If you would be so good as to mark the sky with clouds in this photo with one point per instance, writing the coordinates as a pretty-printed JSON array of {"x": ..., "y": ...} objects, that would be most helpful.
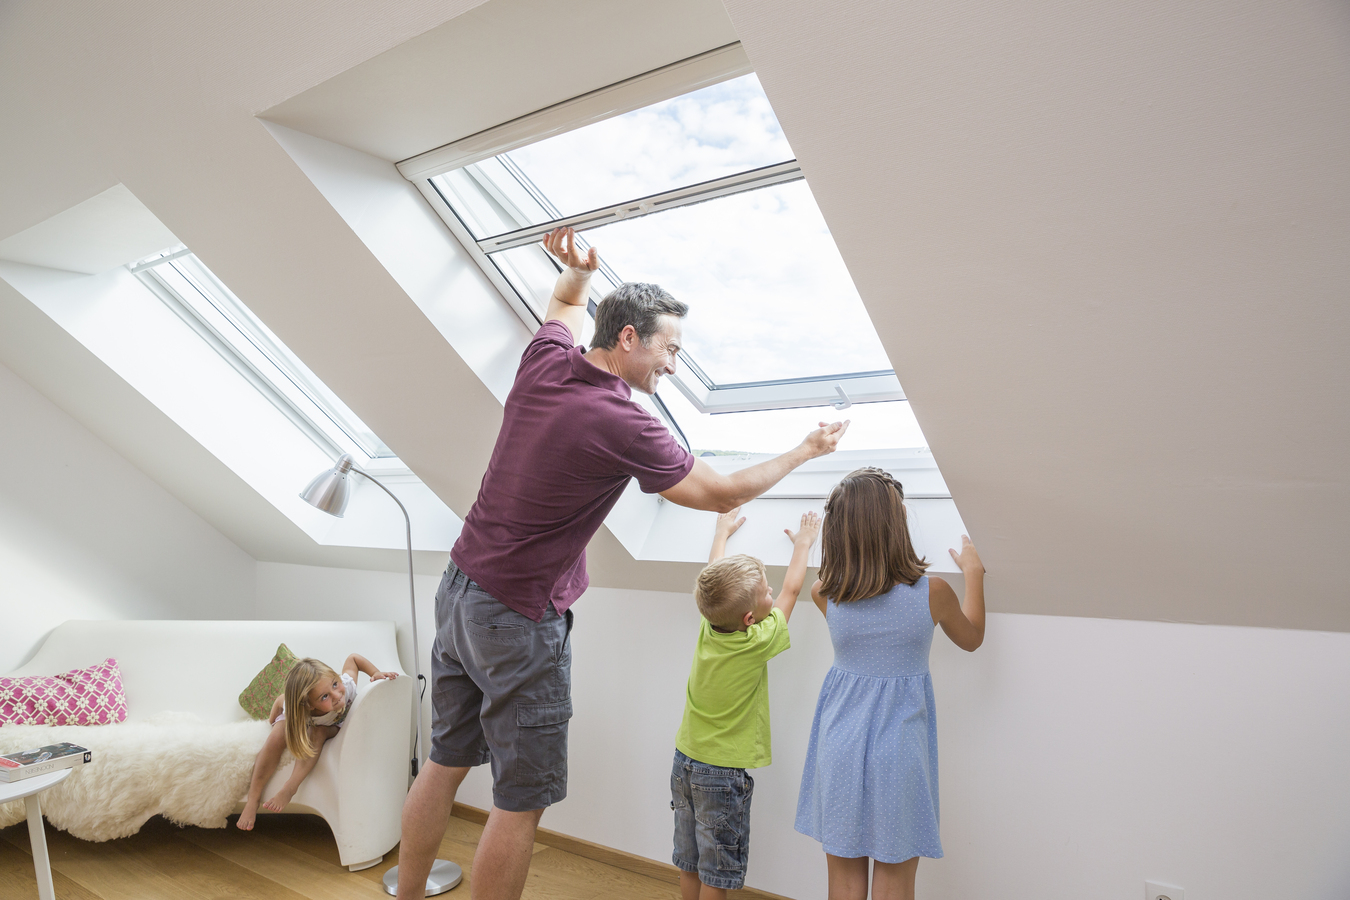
[{"x": 769, "y": 294}]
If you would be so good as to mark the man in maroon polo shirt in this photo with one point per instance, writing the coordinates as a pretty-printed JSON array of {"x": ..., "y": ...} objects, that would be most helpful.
[{"x": 571, "y": 438}]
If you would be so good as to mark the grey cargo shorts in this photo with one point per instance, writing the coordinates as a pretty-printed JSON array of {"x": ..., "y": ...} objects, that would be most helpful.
[{"x": 501, "y": 692}]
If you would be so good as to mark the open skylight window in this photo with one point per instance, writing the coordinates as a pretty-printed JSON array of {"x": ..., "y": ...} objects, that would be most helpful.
[
  {"x": 701, "y": 194},
  {"x": 188, "y": 288}
]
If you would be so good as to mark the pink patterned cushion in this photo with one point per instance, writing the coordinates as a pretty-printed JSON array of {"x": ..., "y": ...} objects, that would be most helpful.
[{"x": 91, "y": 696}]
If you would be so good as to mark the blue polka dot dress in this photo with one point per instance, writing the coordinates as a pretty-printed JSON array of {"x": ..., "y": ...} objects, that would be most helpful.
[{"x": 871, "y": 782}]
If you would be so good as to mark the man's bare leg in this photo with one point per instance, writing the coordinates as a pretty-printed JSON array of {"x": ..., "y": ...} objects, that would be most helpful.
[
  {"x": 426, "y": 812},
  {"x": 502, "y": 860}
]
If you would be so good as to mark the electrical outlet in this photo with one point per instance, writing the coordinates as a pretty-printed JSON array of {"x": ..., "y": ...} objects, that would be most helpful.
[{"x": 1154, "y": 890}]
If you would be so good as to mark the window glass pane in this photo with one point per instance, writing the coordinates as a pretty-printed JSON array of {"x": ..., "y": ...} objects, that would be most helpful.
[
  {"x": 493, "y": 196},
  {"x": 873, "y": 426},
  {"x": 531, "y": 271},
  {"x": 769, "y": 296},
  {"x": 711, "y": 133},
  {"x": 254, "y": 343}
]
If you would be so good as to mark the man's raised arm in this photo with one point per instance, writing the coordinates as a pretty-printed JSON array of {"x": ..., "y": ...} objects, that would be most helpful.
[
  {"x": 704, "y": 488},
  {"x": 568, "y": 303}
]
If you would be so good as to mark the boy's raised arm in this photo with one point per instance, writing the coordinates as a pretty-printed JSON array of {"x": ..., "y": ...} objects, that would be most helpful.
[
  {"x": 727, "y": 524},
  {"x": 796, "y": 574}
]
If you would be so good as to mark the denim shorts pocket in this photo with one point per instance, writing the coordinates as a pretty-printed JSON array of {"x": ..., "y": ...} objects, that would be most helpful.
[
  {"x": 732, "y": 834},
  {"x": 497, "y": 632},
  {"x": 712, "y": 797},
  {"x": 541, "y": 742}
]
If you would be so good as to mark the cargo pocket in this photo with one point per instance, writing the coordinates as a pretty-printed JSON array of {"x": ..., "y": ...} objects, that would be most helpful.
[{"x": 541, "y": 742}]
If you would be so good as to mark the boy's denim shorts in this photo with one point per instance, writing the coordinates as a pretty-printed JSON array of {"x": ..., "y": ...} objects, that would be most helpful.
[{"x": 712, "y": 821}]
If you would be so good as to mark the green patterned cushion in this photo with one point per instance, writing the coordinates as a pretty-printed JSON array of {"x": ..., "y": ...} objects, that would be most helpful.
[{"x": 270, "y": 683}]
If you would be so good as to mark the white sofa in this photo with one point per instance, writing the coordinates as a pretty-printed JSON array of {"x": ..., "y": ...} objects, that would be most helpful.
[{"x": 200, "y": 667}]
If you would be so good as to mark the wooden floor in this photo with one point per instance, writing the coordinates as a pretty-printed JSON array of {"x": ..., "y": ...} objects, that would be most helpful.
[{"x": 285, "y": 858}]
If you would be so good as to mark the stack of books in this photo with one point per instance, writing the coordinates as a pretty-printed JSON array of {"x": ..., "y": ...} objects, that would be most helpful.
[{"x": 27, "y": 763}]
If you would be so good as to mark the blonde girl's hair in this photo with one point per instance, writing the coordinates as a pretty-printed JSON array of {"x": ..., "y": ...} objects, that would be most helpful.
[
  {"x": 865, "y": 548},
  {"x": 305, "y": 676},
  {"x": 726, "y": 589}
]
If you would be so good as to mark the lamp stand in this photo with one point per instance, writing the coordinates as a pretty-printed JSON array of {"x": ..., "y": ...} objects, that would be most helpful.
[{"x": 444, "y": 873}]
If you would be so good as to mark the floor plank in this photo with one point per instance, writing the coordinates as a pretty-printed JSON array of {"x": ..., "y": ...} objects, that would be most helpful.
[
  {"x": 557, "y": 873},
  {"x": 288, "y": 857},
  {"x": 277, "y": 862},
  {"x": 18, "y": 880},
  {"x": 155, "y": 865}
]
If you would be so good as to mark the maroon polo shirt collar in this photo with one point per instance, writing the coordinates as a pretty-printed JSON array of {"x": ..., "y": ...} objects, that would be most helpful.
[{"x": 591, "y": 373}]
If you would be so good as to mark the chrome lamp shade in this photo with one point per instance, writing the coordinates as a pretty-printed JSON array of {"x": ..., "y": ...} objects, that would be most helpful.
[{"x": 330, "y": 490}]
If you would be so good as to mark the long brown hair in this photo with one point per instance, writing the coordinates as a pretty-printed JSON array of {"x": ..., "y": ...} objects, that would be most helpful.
[
  {"x": 305, "y": 676},
  {"x": 865, "y": 548}
]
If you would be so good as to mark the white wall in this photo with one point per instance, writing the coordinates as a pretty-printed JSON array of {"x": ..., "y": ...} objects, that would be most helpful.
[
  {"x": 1078, "y": 756},
  {"x": 287, "y": 591},
  {"x": 86, "y": 535}
]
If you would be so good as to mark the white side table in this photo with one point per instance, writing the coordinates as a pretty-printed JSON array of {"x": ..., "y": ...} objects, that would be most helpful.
[{"x": 27, "y": 791}]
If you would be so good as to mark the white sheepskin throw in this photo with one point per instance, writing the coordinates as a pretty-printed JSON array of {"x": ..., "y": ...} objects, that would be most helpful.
[{"x": 173, "y": 765}]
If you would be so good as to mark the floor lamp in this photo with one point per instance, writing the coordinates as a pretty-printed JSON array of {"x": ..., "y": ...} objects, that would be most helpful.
[{"x": 329, "y": 492}]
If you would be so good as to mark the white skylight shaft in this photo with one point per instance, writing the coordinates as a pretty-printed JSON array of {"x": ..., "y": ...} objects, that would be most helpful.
[{"x": 187, "y": 287}]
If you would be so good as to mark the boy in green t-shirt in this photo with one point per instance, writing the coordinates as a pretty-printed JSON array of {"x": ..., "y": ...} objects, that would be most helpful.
[{"x": 726, "y": 709}]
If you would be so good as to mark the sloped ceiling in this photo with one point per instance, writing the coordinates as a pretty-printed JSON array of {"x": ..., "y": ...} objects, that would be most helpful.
[{"x": 1106, "y": 249}]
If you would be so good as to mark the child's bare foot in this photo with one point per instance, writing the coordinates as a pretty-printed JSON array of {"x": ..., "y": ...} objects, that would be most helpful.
[
  {"x": 279, "y": 800},
  {"x": 249, "y": 816}
]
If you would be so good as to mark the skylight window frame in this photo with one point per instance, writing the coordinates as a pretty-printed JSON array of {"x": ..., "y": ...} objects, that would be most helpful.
[
  {"x": 336, "y": 438},
  {"x": 707, "y": 396}
]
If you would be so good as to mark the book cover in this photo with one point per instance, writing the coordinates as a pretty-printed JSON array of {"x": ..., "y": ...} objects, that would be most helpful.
[{"x": 27, "y": 763}]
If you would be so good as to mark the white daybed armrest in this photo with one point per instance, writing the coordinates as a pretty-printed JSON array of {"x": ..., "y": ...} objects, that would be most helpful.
[{"x": 373, "y": 771}]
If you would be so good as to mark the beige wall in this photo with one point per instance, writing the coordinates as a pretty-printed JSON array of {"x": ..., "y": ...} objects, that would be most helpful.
[
  {"x": 86, "y": 535},
  {"x": 1077, "y": 756}
]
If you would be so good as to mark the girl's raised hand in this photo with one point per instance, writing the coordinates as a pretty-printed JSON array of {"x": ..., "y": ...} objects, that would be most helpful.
[
  {"x": 379, "y": 676},
  {"x": 728, "y": 523},
  {"x": 968, "y": 561},
  {"x": 808, "y": 532}
]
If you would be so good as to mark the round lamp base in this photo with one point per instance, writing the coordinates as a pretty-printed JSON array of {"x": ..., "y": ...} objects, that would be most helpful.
[{"x": 444, "y": 875}]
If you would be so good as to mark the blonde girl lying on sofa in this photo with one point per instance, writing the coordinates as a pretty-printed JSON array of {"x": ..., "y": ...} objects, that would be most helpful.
[{"x": 303, "y": 719}]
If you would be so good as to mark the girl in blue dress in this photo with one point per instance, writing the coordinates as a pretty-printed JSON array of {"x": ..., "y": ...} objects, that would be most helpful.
[{"x": 870, "y": 789}]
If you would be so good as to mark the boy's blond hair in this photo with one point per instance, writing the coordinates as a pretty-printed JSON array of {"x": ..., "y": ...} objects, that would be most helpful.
[{"x": 727, "y": 589}]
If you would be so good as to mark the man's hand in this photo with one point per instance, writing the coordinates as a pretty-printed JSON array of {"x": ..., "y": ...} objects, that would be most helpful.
[
  {"x": 825, "y": 439},
  {"x": 562, "y": 243},
  {"x": 808, "y": 532},
  {"x": 568, "y": 303},
  {"x": 728, "y": 524}
]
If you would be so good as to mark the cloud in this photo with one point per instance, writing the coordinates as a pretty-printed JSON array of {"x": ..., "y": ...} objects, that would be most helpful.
[
  {"x": 707, "y": 134},
  {"x": 769, "y": 295}
]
